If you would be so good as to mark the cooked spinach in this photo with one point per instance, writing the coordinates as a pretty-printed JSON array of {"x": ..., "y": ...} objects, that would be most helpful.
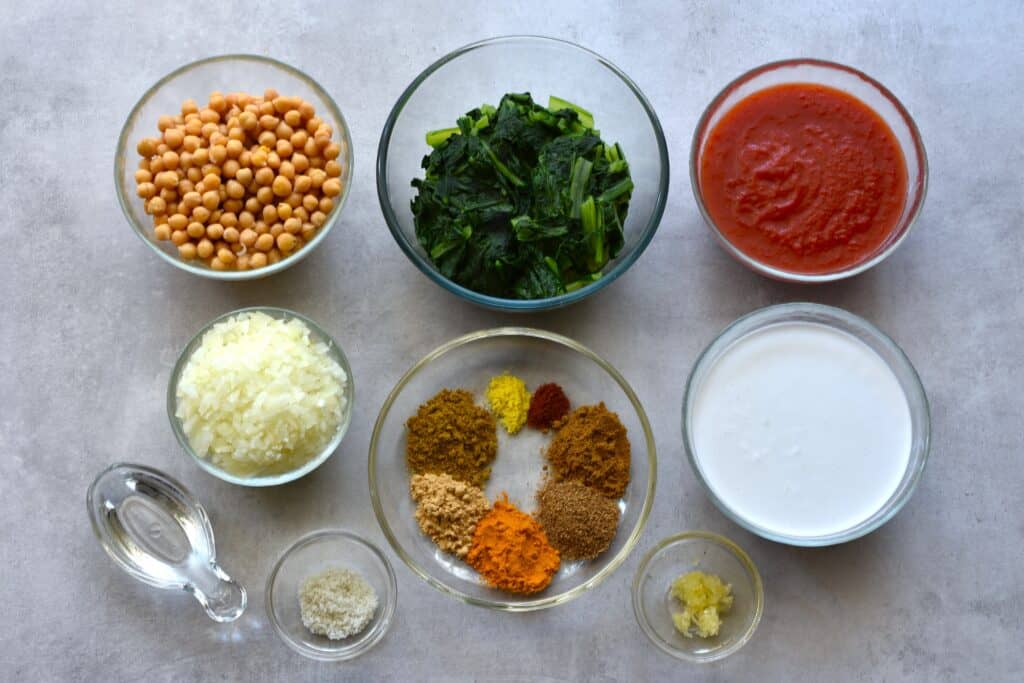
[{"x": 522, "y": 201}]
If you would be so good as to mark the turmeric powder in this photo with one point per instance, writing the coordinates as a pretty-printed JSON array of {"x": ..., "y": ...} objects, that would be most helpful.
[
  {"x": 511, "y": 551},
  {"x": 509, "y": 400}
]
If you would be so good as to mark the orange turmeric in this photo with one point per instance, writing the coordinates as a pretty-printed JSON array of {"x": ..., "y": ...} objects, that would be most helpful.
[{"x": 511, "y": 551}]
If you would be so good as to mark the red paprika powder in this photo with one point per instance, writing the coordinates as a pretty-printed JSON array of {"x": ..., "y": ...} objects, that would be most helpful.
[{"x": 548, "y": 405}]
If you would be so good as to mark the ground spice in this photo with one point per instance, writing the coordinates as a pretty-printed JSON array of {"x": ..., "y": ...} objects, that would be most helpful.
[
  {"x": 451, "y": 434},
  {"x": 511, "y": 551},
  {"x": 509, "y": 400},
  {"x": 591, "y": 447},
  {"x": 549, "y": 404},
  {"x": 448, "y": 510},
  {"x": 578, "y": 520}
]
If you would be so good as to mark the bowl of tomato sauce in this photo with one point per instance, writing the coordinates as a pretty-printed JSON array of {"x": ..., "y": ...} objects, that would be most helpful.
[{"x": 808, "y": 171}]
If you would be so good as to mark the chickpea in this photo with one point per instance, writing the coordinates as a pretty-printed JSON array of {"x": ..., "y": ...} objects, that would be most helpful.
[
  {"x": 332, "y": 150},
  {"x": 253, "y": 205},
  {"x": 162, "y": 232},
  {"x": 231, "y": 235},
  {"x": 244, "y": 176},
  {"x": 204, "y": 249},
  {"x": 194, "y": 127},
  {"x": 286, "y": 242},
  {"x": 268, "y": 122},
  {"x": 174, "y": 137},
  {"x": 299, "y": 139},
  {"x": 211, "y": 199},
  {"x": 161, "y": 148},
  {"x": 302, "y": 184},
  {"x": 300, "y": 162},
  {"x": 267, "y": 139},
  {"x": 189, "y": 106},
  {"x": 317, "y": 218},
  {"x": 235, "y": 189},
  {"x": 166, "y": 179},
  {"x": 226, "y": 255},
  {"x": 215, "y": 216},
  {"x": 228, "y": 219},
  {"x": 287, "y": 170},
  {"x": 201, "y": 214},
  {"x": 333, "y": 169},
  {"x": 308, "y": 231},
  {"x": 165, "y": 122},
  {"x": 234, "y": 148},
  {"x": 177, "y": 221},
  {"x": 218, "y": 103},
  {"x": 273, "y": 256},
  {"x": 307, "y": 111},
  {"x": 294, "y": 200},
  {"x": 178, "y": 238},
  {"x": 270, "y": 213},
  {"x": 248, "y": 120},
  {"x": 318, "y": 176},
  {"x": 270, "y": 95},
  {"x": 332, "y": 187},
  {"x": 265, "y": 195},
  {"x": 230, "y": 167},
  {"x": 257, "y": 260},
  {"x": 245, "y": 159},
  {"x": 261, "y": 227},
  {"x": 310, "y": 202},
  {"x": 301, "y": 213},
  {"x": 313, "y": 124},
  {"x": 156, "y": 206},
  {"x": 276, "y": 229},
  {"x": 283, "y": 130},
  {"x": 293, "y": 226},
  {"x": 293, "y": 118},
  {"x": 143, "y": 176},
  {"x": 242, "y": 262},
  {"x": 146, "y": 190},
  {"x": 209, "y": 116},
  {"x": 217, "y": 264},
  {"x": 317, "y": 161},
  {"x": 156, "y": 165},
  {"x": 185, "y": 158},
  {"x": 215, "y": 231},
  {"x": 196, "y": 230},
  {"x": 274, "y": 160},
  {"x": 218, "y": 153},
  {"x": 282, "y": 186},
  {"x": 248, "y": 237},
  {"x": 259, "y": 158},
  {"x": 283, "y": 147},
  {"x": 194, "y": 174},
  {"x": 326, "y": 204},
  {"x": 284, "y": 211},
  {"x": 310, "y": 149},
  {"x": 218, "y": 138},
  {"x": 265, "y": 242},
  {"x": 147, "y": 147},
  {"x": 201, "y": 156},
  {"x": 246, "y": 220},
  {"x": 264, "y": 176},
  {"x": 187, "y": 251}
]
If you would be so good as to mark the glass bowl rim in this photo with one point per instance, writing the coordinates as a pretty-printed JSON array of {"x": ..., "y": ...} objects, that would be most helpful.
[
  {"x": 780, "y": 313},
  {"x": 121, "y": 154},
  {"x": 389, "y": 599},
  {"x": 313, "y": 463},
  {"x": 622, "y": 263},
  {"x": 612, "y": 563},
  {"x": 917, "y": 198},
  {"x": 738, "y": 553}
]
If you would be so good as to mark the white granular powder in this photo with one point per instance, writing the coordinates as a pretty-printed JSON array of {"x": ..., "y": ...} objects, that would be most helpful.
[{"x": 337, "y": 603}]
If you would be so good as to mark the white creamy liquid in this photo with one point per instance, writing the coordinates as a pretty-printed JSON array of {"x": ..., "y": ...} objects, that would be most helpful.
[{"x": 801, "y": 429}]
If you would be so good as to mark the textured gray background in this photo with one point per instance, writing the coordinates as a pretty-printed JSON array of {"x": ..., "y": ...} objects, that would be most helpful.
[{"x": 92, "y": 323}]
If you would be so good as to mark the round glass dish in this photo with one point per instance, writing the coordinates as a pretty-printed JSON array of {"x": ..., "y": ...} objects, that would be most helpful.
[
  {"x": 314, "y": 553},
  {"x": 470, "y": 362},
  {"x": 876, "y": 340},
  {"x": 483, "y": 72},
  {"x": 860, "y": 85},
  {"x": 707, "y": 552},
  {"x": 227, "y": 73},
  {"x": 269, "y": 480}
]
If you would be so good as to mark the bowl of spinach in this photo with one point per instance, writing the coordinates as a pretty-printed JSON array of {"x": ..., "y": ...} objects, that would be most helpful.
[{"x": 523, "y": 204}]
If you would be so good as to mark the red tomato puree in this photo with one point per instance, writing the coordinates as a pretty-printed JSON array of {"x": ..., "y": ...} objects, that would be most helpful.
[{"x": 804, "y": 178}]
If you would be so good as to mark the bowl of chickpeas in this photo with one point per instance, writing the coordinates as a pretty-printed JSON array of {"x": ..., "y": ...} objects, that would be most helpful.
[{"x": 234, "y": 167}]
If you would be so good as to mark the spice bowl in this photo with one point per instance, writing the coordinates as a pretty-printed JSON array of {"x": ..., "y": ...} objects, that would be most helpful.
[
  {"x": 270, "y": 477},
  {"x": 314, "y": 553},
  {"x": 469, "y": 362},
  {"x": 707, "y": 552},
  {"x": 226, "y": 73}
]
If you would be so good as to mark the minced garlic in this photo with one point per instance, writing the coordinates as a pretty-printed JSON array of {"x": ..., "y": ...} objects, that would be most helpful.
[{"x": 704, "y": 597}]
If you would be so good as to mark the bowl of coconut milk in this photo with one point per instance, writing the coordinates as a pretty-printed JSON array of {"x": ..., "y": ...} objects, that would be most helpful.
[{"x": 806, "y": 424}]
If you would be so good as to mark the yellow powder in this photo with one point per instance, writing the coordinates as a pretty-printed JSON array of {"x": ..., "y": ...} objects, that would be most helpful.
[
  {"x": 509, "y": 400},
  {"x": 705, "y": 597}
]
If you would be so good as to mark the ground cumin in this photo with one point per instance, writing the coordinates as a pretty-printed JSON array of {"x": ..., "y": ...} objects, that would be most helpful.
[
  {"x": 578, "y": 520},
  {"x": 451, "y": 434},
  {"x": 591, "y": 447},
  {"x": 510, "y": 550}
]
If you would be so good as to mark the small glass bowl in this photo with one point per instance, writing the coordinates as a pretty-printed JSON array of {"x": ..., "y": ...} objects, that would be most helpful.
[
  {"x": 845, "y": 78},
  {"x": 316, "y": 552},
  {"x": 704, "y": 551},
  {"x": 483, "y": 72},
  {"x": 227, "y": 73},
  {"x": 875, "y": 339},
  {"x": 280, "y": 478}
]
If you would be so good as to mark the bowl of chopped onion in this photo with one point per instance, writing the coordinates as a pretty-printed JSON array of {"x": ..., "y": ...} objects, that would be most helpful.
[{"x": 260, "y": 396}]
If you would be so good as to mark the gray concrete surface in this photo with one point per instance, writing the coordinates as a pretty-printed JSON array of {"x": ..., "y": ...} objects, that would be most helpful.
[{"x": 92, "y": 323}]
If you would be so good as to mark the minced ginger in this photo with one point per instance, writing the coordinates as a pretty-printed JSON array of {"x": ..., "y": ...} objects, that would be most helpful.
[{"x": 705, "y": 597}]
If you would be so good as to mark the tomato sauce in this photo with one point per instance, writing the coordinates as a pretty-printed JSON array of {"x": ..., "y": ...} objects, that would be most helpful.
[{"x": 804, "y": 178}]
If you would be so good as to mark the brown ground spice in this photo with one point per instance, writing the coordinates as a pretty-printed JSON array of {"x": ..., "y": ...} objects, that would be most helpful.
[
  {"x": 448, "y": 510},
  {"x": 578, "y": 520},
  {"x": 451, "y": 434},
  {"x": 591, "y": 447}
]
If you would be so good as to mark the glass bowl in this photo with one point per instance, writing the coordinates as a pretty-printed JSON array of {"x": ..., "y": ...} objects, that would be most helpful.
[
  {"x": 271, "y": 479},
  {"x": 860, "y": 85},
  {"x": 704, "y": 551},
  {"x": 469, "y": 362},
  {"x": 483, "y": 72},
  {"x": 875, "y": 339},
  {"x": 248, "y": 73},
  {"x": 316, "y": 552}
]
